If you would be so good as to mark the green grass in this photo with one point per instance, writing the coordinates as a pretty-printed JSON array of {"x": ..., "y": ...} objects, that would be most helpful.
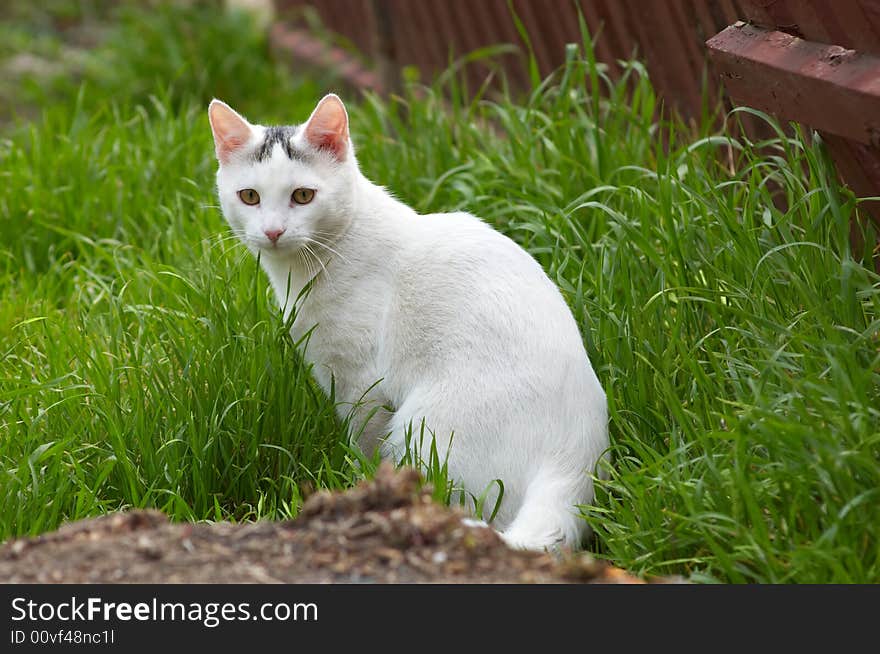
[
  {"x": 736, "y": 333},
  {"x": 143, "y": 362}
]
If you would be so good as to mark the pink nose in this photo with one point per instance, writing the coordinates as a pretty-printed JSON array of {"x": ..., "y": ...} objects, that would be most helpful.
[{"x": 273, "y": 234}]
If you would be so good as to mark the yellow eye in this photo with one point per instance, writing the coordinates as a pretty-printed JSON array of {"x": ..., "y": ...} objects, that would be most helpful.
[
  {"x": 303, "y": 195},
  {"x": 249, "y": 196}
]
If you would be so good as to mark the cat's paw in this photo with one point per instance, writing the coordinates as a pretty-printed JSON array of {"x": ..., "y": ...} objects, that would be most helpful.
[
  {"x": 553, "y": 543},
  {"x": 473, "y": 522}
]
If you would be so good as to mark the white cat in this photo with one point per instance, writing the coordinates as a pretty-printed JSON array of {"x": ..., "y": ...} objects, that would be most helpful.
[{"x": 421, "y": 317}]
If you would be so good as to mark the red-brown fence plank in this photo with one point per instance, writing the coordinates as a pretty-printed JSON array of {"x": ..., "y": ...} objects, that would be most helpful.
[
  {"x": 826, "y": 87},
  {"x": 852, "y": 24}
]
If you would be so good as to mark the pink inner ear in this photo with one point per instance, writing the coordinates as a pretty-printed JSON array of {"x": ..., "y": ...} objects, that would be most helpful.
[
  {"x": 327, "y": 140},
  {"x": 327, "y": 128},
  {"x": 231, "y": 131},
  {"x": 227, "y": 146}
]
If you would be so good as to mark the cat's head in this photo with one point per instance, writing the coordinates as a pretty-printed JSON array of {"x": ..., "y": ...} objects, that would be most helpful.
[{"x": 282, "y": 188}]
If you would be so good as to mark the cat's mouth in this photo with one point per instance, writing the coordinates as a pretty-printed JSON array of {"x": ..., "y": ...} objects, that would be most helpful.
[
  {"x": 285, "y": 245},
  {"x": 276, "y": 245}
]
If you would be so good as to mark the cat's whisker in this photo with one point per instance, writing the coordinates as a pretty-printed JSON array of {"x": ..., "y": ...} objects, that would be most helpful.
[
  {"x": 329, "y": 235},
  {"x": 302, "y": 261},
  {"x": 311, "y": 270},
  {"x": 236, "y": 247},
  {"x": 306, "y": 248},
  {"x": 223, "y": 239},
  {"x": 242, "y": 257},
  {"x": 328, "y": 248}
]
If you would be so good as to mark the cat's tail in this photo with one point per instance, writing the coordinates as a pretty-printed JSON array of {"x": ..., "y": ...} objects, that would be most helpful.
[{"x": 548, "y": 518}]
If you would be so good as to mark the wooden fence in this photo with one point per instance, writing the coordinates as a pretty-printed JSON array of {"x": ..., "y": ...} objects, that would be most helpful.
[
  {"x": 781, "y": 62},
  {"x": 669, "y": 35}
]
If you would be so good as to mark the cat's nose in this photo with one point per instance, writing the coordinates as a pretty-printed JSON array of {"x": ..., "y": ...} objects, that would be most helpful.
[{"x": 273, "y": 234}]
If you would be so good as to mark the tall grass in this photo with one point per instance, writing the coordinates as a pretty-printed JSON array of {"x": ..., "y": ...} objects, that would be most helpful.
[
  {"x": 737, "y": 334},
  {"x": 143, "y": 363}
]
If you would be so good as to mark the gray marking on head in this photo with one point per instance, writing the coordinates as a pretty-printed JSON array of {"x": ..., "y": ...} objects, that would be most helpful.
[{"x": 281, "y": 135}]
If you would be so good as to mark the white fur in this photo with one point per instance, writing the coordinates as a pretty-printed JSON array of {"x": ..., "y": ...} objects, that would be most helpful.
[{"x": 457, "y": 324}]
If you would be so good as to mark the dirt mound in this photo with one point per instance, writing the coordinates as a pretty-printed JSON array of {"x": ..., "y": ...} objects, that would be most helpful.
[{"x": 384, "y": 531}]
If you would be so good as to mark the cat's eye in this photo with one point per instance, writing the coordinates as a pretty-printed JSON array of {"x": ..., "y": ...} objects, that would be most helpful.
[
  {"x": 303, "y": 195},
  {"x": 249, "y": 196}
]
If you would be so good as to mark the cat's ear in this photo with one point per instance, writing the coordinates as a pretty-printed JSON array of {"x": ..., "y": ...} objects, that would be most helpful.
[
  {"x": 231, "y": 130},
  {"x": 327, "y": 127}
]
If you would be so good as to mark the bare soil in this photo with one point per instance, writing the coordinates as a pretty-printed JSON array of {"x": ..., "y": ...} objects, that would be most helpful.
[{"x": 387, "y": 530}]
